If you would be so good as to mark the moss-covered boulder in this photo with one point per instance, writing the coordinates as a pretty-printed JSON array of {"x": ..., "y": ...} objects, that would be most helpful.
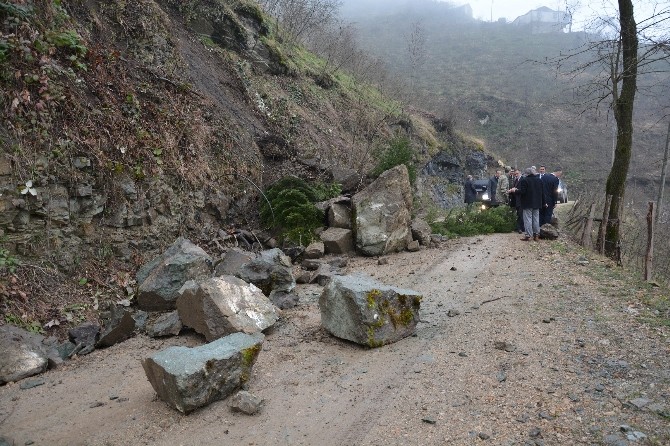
[
  {"x": 362, "y": 310},
  {"x": 188, "y": 378}
]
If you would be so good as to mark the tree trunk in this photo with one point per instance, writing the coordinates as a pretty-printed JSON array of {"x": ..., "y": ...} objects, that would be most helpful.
[
  {"x": 623, "y": 113},
  {"x": 664, "y": 171}
]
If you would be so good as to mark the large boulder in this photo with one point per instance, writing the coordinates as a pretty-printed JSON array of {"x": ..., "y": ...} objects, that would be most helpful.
[
  {"x": 382, "y": 214},
  {"x": 362, "y": 310},
  {"x": 160, "y": 280},
  {"x": 21, "y": 354},
  {"x": 272, "y": 270},
  {"x": 189, "y": 378},
  {"x": 222, "y": 305}
]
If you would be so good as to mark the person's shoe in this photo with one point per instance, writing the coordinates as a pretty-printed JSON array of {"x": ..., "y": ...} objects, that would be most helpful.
[
  {"x": 525, "y": 239},
  {"x": 536, "y": 238}
]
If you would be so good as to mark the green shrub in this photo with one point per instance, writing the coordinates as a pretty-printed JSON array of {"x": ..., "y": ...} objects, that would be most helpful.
[
  {"x": 465, "y": 222},
  {"x": 7, "y": 260},
  {"x": 291, "y": 209},
  {"x": 398, "y": 152}
]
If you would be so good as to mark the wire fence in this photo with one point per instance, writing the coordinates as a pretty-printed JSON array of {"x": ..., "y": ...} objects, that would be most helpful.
[{"x": 584, "y": 225}]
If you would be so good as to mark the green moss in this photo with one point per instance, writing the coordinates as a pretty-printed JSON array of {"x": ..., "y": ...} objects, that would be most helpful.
[
  {"x": 372, "y": 297},
  {"x": 250, "y": 354}
]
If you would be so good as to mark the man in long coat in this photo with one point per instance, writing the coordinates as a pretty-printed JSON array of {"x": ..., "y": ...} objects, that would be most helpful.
[{"x": 530, "y": 194}]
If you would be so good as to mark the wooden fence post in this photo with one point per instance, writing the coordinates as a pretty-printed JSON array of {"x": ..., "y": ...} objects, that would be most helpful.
[
  {"x": 648, "y": 259},
  {"x": 588, "y": 227}
]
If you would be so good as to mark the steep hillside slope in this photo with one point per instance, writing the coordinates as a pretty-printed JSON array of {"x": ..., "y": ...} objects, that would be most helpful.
[{"x": 127, "y": 124}]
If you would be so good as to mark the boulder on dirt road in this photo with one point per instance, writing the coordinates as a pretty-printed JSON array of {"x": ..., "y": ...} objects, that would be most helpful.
[
  {"x": 223, "y": 305},
  {"x": 382, "y": 214},
  {"x": 189, "y": 378},
  {"x": 21, "y": 355},
  {"x": 362, "y": 310},
  {"x": 160, "y": 280},
  {"x": 337, "y": 240},
  {"x": 421, "y": 231},
  {"x": 272, "y": 270}
]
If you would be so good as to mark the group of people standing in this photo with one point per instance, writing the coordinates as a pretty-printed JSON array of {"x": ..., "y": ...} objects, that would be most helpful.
[{"x": 533, "y": 194}]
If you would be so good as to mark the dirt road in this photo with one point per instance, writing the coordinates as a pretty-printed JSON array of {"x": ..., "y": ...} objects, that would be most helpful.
[{"x": 519, "y": 343}]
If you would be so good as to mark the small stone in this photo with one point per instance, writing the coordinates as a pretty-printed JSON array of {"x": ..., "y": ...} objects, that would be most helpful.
[
  {"x": 463, "y": 355},
  {"x": 429, "y": 420},
  {"x": 523, "y": 418},
  {"x": 501, "y": 376},
  {"x": 483, "y": 436},
  {"x": 96, "y": 404},
  {"x": 535, "y": 432},
  {"x": 453, "y": 268},
  {"x": 599, "y": 388},
  {"x": 383, "y": 261},
  {"x": 453, "y": 313},
  {"x": 546, "y": 415},
  {"x": 30, "y": 383},
  {"x": 639, "y": 403},
  {"x": 504, "y": 345}
]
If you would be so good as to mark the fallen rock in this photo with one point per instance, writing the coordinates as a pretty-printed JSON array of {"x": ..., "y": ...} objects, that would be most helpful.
[
  {"x": 421, "y": 231},
  {"x": 232, "y": 261},
  {"x": 272, "y": 270},
  {"x": 160, "y": 280},
  {"x": 314, "y": 251},
  {"x": 413, "y": 246},
  {"x": 222, "y": 305},
  {"x": 362, "y": 310},
  {"x": 119, "y": 327},
  {"x": 166, "y": 324},
  {"x": 284, "y": 299},
  {"x": 339, "y": 216},
  {"x": 189, "y": 378},
  {"x": 20, "y": 354},
  {"x": 383, "y": 214},
  {"x": 337, "y": 240},
  {"x": 84, "y": 337},
  {"x": 245, "y": 402},
  {"x": 549, "y": 232}
]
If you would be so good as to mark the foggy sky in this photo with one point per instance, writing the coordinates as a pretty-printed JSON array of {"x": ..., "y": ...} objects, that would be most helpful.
[{"x": 585, "y": 10}]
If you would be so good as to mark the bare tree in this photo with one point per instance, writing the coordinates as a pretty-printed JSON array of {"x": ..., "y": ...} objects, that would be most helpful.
[
  {"x": 296, "y": 19},
  {"x": 612, "y": 65},
  {"x": 664, "y": 170},
  {"x": 416, "y": 52}
]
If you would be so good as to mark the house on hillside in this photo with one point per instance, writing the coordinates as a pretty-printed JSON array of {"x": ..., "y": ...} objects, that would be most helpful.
[{"x": 544, "y": 20}]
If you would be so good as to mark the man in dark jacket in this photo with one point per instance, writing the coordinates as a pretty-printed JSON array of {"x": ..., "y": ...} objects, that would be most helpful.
[
  {"x": 493, "y": 187},
  {"x": 470, "y": 193},
  {"x": 549, "y": 188},
  {"x": 529, "y": 192},
  {"x": 515, "y": 199}
]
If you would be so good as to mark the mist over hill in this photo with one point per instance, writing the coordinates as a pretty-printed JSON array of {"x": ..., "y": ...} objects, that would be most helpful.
[{"x": 495, "y": 80}]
